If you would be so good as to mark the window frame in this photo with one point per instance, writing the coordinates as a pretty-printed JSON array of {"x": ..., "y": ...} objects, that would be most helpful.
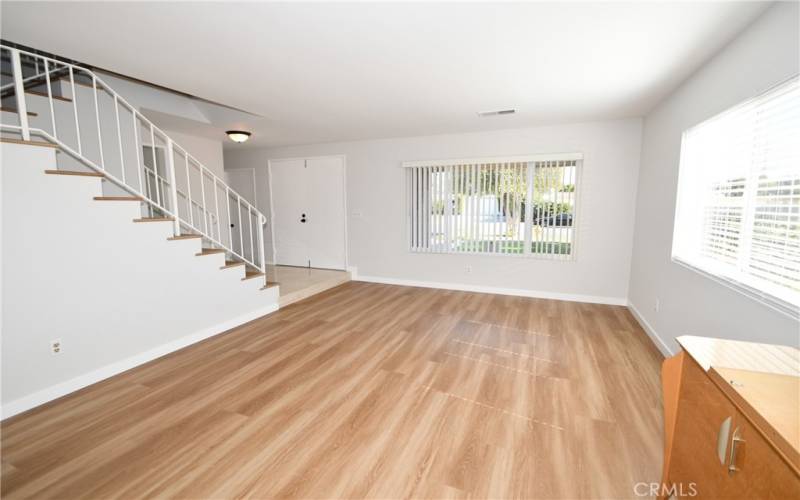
[
  {"x": 575, "y": 155},
  {"x": 750, "y": 286}
]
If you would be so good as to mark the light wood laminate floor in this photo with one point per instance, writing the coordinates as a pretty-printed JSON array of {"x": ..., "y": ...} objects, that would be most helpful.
[
  {"x": 298, "y": 283},
  {"x": 365, "y": 390}
]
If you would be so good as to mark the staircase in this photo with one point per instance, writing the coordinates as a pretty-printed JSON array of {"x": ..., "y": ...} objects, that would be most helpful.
[
  {"x": 97, "y": 133},
  {"x": 113, "y": 288}
]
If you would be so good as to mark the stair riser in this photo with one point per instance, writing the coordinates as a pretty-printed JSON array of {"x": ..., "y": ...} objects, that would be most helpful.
[
  {"x": 189, "y": 247},
  {"x": 121, "y": 209},
  {"x": 235, "y": 272},
  {"x": 217, "y": 259},
  {"x": 156, "y": 230}
]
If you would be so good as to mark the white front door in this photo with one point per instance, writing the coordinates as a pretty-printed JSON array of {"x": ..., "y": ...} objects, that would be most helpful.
[
  {"x": 325, "y": 216},
  {"x": 308, "y": 212}
]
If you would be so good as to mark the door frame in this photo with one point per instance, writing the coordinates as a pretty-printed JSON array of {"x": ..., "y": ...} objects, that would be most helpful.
[{"x": 344, "y": 197}]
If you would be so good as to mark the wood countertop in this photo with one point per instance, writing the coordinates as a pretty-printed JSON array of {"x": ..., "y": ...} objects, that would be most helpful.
[{"x": 767, "y": 358}]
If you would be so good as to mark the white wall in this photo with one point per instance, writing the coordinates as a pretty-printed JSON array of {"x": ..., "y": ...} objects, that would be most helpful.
[
  {"x": 377, "y": 240},
  {"x": 763, "y": 55},
  {"x": 207, "y": 151},
  {"x": 116, "y": 293},
  {"x": 147, "y": 97}
]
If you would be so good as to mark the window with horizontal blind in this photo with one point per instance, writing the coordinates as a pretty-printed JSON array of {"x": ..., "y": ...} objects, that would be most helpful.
[
  {"x": 501, "y": 206},
  {"x": 738, "y": 212}
]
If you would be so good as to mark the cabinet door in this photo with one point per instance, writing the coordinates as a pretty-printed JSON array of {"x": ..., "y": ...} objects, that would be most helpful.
[
  {"x": 759, "y": 472},
  {"x": 701, "y": 445}
]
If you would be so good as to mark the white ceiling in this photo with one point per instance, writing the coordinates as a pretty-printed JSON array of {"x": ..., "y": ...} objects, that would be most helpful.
[{"x": 331, "y": 72}]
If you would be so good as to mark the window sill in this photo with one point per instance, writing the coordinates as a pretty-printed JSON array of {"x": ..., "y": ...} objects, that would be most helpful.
[
  {"x": 530, "y": 256},
  {"x": 769, "y": 300}
]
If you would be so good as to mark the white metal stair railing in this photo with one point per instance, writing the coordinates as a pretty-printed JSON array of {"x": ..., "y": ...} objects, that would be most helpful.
[
  {"x": 37, "y": 76},
  {"x": 106, "y": 133}
]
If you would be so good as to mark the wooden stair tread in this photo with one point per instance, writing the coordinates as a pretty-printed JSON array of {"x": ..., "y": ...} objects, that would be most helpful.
[
  {"x": 12, "y": 110},
  {"x": 229, "y": 264},
  {"x": 65, "y": 78},
  {"x": 252, "y": 274},
  {"x": 118, "y": 198},
  {"x": 29, "y": 143},
  {"x": 73, "y": 172},
  {"x": 154, "y": 219},
  {"x": 184, "y": 237},
  {"x": 55, "y": 78},
  {"x": 37, "y": 93},
  {"x": 209, "y": 251},
  {"x": 44, "y": 94},
  {"x": 270, "y": 285}
]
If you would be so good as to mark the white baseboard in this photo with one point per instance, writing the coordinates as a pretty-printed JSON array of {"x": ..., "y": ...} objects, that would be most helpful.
[
  {"x": 519, "y": 292},
  {"x": 56, "y": 391},
  {"x": 353, "y": 270},
  {"x": 651, "y": 332}
]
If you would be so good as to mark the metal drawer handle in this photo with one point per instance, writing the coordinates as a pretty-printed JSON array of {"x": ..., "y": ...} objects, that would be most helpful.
[
  {"x": 734, "y": 447},
  {"x": 722, "y": 439}
]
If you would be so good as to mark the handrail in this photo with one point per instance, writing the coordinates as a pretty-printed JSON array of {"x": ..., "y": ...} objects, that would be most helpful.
[{"x": 165, "y": 202}]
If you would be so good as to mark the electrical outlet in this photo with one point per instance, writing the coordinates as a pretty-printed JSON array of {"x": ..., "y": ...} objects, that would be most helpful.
[
  {"x": 468, "y": 269},
  {"x": 657, "y": 305},
  {"x": 55, "y": 346}
]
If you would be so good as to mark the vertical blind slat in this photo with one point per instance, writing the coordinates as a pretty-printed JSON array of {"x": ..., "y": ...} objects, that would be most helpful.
[{"x": 514, "y": 208}]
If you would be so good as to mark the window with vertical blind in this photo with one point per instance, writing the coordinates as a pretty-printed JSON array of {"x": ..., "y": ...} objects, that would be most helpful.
[
  {"x": 499, "y": 206},
  {"x": 738, "y": 212}
]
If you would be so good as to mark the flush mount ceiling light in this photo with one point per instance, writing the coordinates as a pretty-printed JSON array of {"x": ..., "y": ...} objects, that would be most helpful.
[
  {"x": 238, "y": 135},
  {"x": 497, "y": 112}
]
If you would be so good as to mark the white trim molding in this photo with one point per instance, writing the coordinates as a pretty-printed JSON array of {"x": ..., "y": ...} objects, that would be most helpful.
[
  {"x": 56, "y": 391},
  {"x": 659, "y": 342},
  {"x": 518, "y": 292}
]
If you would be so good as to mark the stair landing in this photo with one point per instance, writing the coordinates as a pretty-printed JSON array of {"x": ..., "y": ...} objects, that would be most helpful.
[{"x": 298, "y": 283}]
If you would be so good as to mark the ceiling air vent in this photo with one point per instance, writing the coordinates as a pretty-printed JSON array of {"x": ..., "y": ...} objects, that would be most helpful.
[{"x": 497, "y": 112}]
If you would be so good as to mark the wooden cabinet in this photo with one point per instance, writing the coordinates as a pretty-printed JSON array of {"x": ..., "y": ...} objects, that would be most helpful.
[
  {"x": 760, "y": 471},
  {"x": 701, "y": 415},
  {"x": 715, "y": 446}
]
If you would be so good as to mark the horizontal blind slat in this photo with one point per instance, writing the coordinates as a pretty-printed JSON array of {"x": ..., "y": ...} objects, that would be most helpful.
[{"x": 739, "y": 198}]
